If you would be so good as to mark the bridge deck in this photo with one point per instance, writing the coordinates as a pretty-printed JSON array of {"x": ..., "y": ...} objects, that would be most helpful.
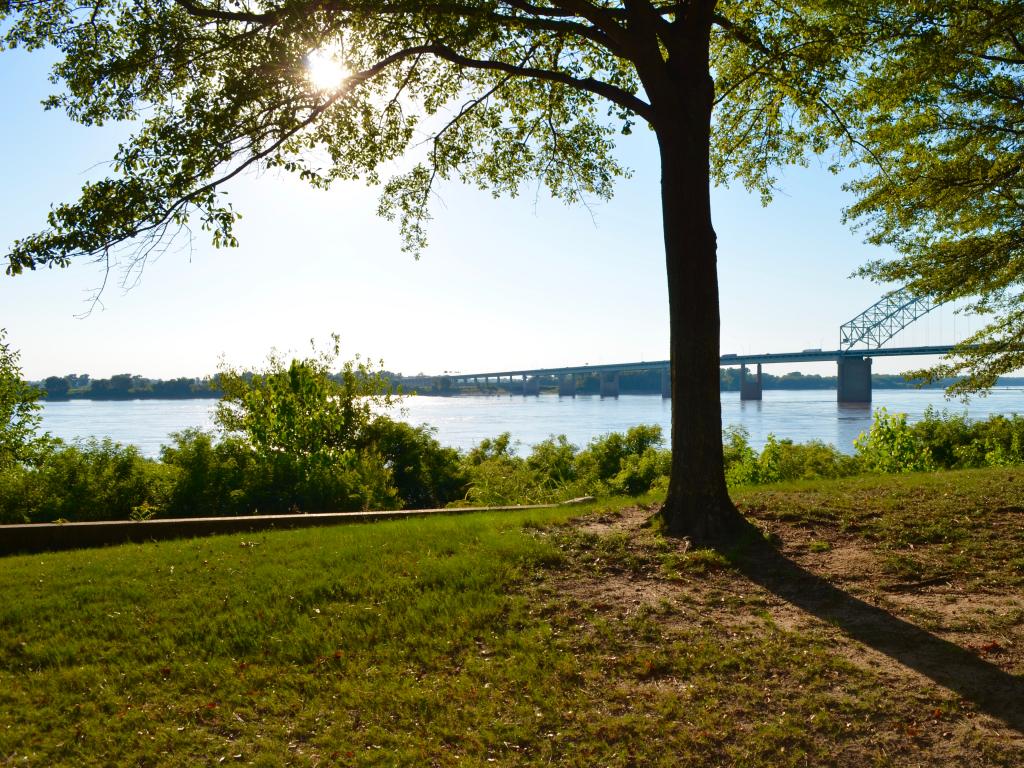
[{"x": 806, "y": 356}]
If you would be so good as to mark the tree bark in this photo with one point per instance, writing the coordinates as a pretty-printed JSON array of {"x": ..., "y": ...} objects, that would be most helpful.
[{"x": 698, "y": 504}]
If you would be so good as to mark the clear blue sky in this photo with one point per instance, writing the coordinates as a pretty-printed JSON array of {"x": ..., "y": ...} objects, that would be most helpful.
[{"x": 504, "y": 284}]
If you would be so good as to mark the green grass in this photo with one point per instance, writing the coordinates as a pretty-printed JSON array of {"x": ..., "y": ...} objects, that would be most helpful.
[
  {"x": 408, "y": 637},
  {"x": 502, "y": 638}
]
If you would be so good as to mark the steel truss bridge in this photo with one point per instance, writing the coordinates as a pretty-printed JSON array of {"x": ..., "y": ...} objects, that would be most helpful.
[{"x": 860, "y": 340}]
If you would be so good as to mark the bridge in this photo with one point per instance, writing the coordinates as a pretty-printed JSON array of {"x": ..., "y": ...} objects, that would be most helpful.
[{"x": 860, "y": 340}]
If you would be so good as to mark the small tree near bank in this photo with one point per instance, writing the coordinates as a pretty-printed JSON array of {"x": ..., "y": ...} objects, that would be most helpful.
[
  {"x": 300, "y": 407},
  {"x": 304, "y": 432},
  {"x": 505, "y": 90},
  {"x": 19, "y": 410}
]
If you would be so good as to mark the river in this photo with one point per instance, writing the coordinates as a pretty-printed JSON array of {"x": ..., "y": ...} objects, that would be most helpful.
[{"x": 462, "y": 422}]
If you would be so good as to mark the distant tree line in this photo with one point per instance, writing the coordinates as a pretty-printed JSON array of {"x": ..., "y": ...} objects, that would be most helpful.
[{"x": 126, "y": 386}]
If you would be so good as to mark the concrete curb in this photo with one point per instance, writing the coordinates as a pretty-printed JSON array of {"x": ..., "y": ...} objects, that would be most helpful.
[{"x": 51, "y": 537}]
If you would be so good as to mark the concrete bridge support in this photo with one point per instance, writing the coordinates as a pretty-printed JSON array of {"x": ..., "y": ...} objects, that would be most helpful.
[
  {"x": 750, "y": 389},
  {"x": 854, "y": 380},
  {"x": 610, "y": 384},
  {"x": 531, "y": 386},
  {"x": 666, "y": 384},
  {"x": 567, "y": 386}
]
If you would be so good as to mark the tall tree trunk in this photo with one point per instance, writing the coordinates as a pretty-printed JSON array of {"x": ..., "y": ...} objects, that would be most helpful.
[{"x": 698, "y": 503}]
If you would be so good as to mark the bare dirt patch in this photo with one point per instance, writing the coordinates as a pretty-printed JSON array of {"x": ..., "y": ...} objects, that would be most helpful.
[{"x": 632, "y": 518}]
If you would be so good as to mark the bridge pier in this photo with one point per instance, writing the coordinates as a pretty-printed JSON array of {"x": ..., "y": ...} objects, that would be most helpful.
[
  {"x": 854, "y": 380},
  {"x": 531, "y": 386},
  {"x": 666, "y": 384},
  {"x": 567, "y": 386},
  {"x": 750, "y": 389},
  {"x": 610, "y": 384}
]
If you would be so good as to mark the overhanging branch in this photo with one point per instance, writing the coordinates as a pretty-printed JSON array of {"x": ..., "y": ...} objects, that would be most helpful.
[{"x": 614, "y": 94}]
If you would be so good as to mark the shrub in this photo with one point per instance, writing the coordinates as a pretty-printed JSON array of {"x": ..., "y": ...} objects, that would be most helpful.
[
  {"x": 497, "y": 476},
  {"x": 424, "y": 473},
  {"x": 213, "y": 477},
  {"x": 602, "y": 460},
  {"x": 951, "y": 439},
  {"x": 892, "y": 446},
  {"x": 294, "y": 437},
  {"x": 20, "y": 494},
  {"x": 19, "y": 412},
  {"x": 740, "y": 459},
  {"x": 301, "y": 408},
  {"x": 781, "y": 460},
  {"x": 786, "y": 460},
  {"x": 639, "y": 473},
  {"x": 88, "y": 480},
  {"x": 628, "y": 463},
  {"x": 554, "y": 462}
]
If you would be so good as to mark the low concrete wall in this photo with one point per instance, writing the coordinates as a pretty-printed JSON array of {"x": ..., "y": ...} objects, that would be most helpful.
[{"x": 49, "y": 537}]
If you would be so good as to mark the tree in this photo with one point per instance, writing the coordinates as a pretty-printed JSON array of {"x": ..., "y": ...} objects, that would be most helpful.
[
  {"x": 19, "y": 410},
  {"x": 56, "y": 387},
  {"x": 303, "y": 434},
  {"x": 506, "y": 90},
  {"x": 944, "y": 109},
  {"x": 298, "y": 408}
]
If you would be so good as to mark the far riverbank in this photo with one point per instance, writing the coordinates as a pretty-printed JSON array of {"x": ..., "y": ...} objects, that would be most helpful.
[{"x": 128, "y": 387}]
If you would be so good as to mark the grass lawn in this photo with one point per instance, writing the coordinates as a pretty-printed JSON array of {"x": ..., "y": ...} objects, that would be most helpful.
[{"x": 884, "y": 626}]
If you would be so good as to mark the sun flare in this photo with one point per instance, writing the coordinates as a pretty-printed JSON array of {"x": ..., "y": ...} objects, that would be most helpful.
[{"x": 325, "y": 69}]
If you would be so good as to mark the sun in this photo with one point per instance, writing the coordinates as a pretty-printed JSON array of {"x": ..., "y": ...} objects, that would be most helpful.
[{"x": 325, "y": 69}]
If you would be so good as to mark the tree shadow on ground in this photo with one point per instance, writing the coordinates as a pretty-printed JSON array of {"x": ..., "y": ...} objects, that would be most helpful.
[{"x": 991, "y": 689}]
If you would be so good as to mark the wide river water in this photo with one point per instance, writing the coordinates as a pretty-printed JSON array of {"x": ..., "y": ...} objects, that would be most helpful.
[{"x": 462, "y": 422}]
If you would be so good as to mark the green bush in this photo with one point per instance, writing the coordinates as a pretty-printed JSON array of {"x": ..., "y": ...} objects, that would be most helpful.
[
  {"x": 781, "y": 460},
  {"x": 892, "y": 446},
  {"x": 640, "y": 473},
  {"x": 497, "y": 476},
  {"x": 940, "y": 440},
  {"x": 602, "y": 460},
  {"x": 554, "y": 462},
  {"x": 19, "y": 412},
  {"x": 396, "y": 466},
  {"x": 951, "y": 440},
  {"x": 424, "y": 473},
  {"x": 954, "y": 442},
  {"x": 88, "y": 480},
  {"x": 213, "y": 477},
  {"x": 20, "y": 494},
  {"x": 628, "y": 463},
  {"x": 294, "y": 437}
]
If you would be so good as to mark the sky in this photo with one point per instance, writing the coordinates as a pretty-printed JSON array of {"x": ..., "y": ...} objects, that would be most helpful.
[{"x": 504, "y": 284}]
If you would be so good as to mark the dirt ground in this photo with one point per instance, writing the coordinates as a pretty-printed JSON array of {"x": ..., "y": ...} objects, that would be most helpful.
[{"x": 918, "y": 639}]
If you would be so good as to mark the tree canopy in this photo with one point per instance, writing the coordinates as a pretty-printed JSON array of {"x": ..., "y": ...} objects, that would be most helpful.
[
  {"x": 492, "y": 92},
  {"x": 943, "y": 107}
]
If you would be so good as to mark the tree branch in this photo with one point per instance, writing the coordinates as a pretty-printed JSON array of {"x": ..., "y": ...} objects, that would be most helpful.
[
  {"x": 614, "y": 94},
  {"x": 215, "y": 14},
  {"x": 738, "y": 33}
]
